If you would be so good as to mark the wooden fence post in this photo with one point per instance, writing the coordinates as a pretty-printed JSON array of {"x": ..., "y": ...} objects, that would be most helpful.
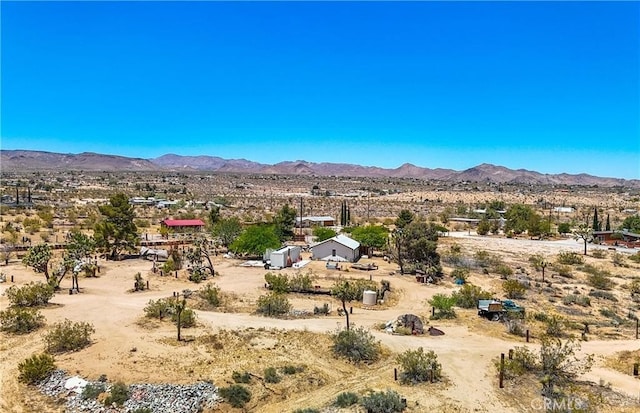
[{"x": 501, "y": 370}]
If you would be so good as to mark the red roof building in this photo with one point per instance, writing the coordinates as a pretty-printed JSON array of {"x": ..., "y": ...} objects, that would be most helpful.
[{"x": 183, "y": 224}]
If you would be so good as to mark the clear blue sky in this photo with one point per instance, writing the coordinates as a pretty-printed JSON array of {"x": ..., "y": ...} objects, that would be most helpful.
[{"x": 546, "y": 86}]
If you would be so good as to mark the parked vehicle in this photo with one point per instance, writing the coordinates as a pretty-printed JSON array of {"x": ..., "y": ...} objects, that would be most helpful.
[{"x": 495, "y": 310}]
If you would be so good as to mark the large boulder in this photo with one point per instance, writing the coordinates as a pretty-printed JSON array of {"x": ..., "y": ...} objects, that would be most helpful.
[{"x": 413, "y": 322}]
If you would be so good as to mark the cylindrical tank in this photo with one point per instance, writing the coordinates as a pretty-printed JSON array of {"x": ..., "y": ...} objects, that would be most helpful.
[{"x": 369, "y": 297}]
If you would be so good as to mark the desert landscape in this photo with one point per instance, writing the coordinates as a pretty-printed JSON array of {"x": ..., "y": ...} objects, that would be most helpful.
[{"x": 232, "y": 338}]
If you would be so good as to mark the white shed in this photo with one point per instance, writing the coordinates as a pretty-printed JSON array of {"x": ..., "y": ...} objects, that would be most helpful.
[
  {"x": 285, "y": 257},
  {"x": 338, "y": 248}
]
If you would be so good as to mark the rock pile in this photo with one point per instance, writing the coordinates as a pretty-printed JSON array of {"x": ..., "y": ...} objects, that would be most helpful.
[{"x": 159, "y": 398}]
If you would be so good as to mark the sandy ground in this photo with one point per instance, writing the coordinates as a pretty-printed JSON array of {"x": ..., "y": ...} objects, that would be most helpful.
[{"x": 127, "y": 349}]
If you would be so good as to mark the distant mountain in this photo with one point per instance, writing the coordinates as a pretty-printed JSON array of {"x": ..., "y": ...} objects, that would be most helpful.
[
  {"x": 87, "y": 161},
  {"x": 22, "y": 160}
]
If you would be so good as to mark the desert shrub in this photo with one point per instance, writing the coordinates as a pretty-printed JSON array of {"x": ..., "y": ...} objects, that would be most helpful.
[
  {"x": 159, "y": 308},
  {"x": 321, "y": 310},
  {"x": 241, "y": 377},
  {"x": 460, "y": 273},
  {"x": 36, "y": 368},
  {"x": 514, "y": 289},
  {"x": 18, "y": 320},
  {"x": 211, "y": 294},
  {"x": 503, "y": 270},
  {"x": 600, "y": 281},
  {"x": 403, "y": 331},
  {"x": 634, "y": 286},
  {"x": 360, "y": 286},
  {"x": 187, "y": 318},
  {"x": 290, "y": 369},
  {"x": 555, "y": 326},
  {"x": 579, "y": 299},
  {"x": 607, "y": 312},
  {"x": 139, "y": 284},
  {"x": 418, "y": 366},
  {"x": 273, "y": 305},
  {"x": 563, "y": 270},
  {"x": 598, "y": 254},
  {"x": 357, "y": 345},
  {"x": 468, "y": 295},
  {"x": 523, "y": 361},
  {"x": 278, "y": 283},
  {"x": 635, "y": 257},
  {"x": 444, "y": 306},
  {"x": 603, "y": 294},
  {"x": 307, "y": 410},
  {"x": 169, "y": 266},
  {"x": 564, "y": 228},
  {"x": 118, "y": 394},
  {"x": 515, "y": 327},
  {"x": 236, "y": 395},
  {"x": 619, "y": 260},
  {"x": 93, "y": 390},
  {"x": 197, "y": 275},
  {"x": 569, "y": 258},
  {"x": 30, "y": 295},
  {"x": 485, "y": 259},
  {"x": 271, "y": 375},
  {"x": 383, "y": 402},
  {"x": 142, "y": 410},
  {"x": 346, "y": 399},
  {"x": 301, "y": 282},
  {"x": 68, "y": 336},
  {"x": 540, "y": 317}
]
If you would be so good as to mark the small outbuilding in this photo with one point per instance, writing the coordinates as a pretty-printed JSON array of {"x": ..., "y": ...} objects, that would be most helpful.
[
  {"x": 183, "y": 225},
  {"x": 338, "y": 248},
  {"x": 285, "y": 257}
]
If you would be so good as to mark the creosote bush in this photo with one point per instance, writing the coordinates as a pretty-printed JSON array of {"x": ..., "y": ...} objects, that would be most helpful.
[
  {"x": 570, "y": 258},
  {"x": 346, "y": 399},
  {"x": 271, "y": 375},
  {"x": 160, "y": 308},
  {"x": 118, "y": 394},
  {"x": 444, "y": 306},
  {"x": 36, "y": 368},
  {"x": 30, "y": 295},
  {"x": 187, "y": 318},
  {"x": 523, "y": 361},
  {"x": 211, "y": 294},
  {"x": 236, "y": 395},
  {"x": 356, "y": 344},
  {"x": 600, "y": 281},
  {"x": 383, "y": 402},
  {"x": 514, "y": 289},
  {"x": 468, "y": 295},
  {"x": 18, "y": 320},
  {"x": 419, "y": 366},
  {"x": 273, "y": 305},
  {"x": 241, "y": 377},
  {"x": 68, "y": 336},
  {"x": 92, "y": 391}
]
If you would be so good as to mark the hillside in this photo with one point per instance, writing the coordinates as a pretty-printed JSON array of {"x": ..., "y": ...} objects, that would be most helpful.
[{"x": 24, "y": 160}]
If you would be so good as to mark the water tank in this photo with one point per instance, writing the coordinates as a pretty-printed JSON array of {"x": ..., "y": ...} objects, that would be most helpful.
[{"x": 369, "y": 297}]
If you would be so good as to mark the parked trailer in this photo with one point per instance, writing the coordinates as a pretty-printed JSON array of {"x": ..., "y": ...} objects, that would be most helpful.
[{"x": 495, "y": 310}]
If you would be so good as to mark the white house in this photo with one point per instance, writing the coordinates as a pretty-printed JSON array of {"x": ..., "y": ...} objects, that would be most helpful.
[
  {"x": 285, "y": 257},
  {"x": 338, "y": 248}
]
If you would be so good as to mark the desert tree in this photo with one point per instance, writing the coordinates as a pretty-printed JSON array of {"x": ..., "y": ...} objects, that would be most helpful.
[
  {"x": 539, "y": 263},
  {"x": 519, "y": 218},
  {"x": 38, "y": 258},
  {"x": 371, "y": 237},
  {"x": 199, "y": 257},
  {"x": 226, "y": 230},
  {"x": 323, "y": 233},
  {"x": 116, "y": 231},
  {"x": 418, "y": 247},
  {"x": 583, "y": 233},
  {"x": 284, "y": 222},
  {"x": 255, "y": 240},
  {"x": 559, "y": 364},
  {"x": 345, "y": 291},
  {"x": 404, "y": 218}
]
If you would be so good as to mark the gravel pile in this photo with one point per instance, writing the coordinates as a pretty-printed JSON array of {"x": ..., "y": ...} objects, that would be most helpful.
[{"x": 159, "y": 398}]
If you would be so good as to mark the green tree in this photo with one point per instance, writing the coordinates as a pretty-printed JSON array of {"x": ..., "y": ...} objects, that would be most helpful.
[
  {"x": 484, "y": 226},
  {"x": 518, "y": 217},
  {"x": 199, "y": 257},
  {"x": 227, "y": 230},
  {"x": 584, "y": 233},
  {"x": 116, "y": 232},
  {"x": 371, "y": 236},
  {"x": 345, "y": 291},
  {"x": 564, "y": 228},
  {"x": 255, "y": 240},
  {"x": 597, "y": 225},
  {"x": 323, "y": 233},
  {"x": 608, "y": 224},
  {"x": 404, "y": 218},
  {"x": 419, "y": 243},
  {"x": 38, "y": 258},
  {"x": 79, "y": 246},
  {"x": 631, "y": 224},
  {"x": 284, "y": 222}
]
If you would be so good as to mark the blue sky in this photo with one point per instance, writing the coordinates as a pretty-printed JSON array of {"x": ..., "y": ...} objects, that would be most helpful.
[{"x": 546, "y": 86}]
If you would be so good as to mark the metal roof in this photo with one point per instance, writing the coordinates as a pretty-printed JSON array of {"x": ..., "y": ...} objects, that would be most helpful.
[
  {"x": 183, "y": 222},
  {"x": 344, "y": 240}
]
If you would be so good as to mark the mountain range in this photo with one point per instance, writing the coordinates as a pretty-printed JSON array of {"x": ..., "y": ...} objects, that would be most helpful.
[{"x": 26, "y": 160}]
